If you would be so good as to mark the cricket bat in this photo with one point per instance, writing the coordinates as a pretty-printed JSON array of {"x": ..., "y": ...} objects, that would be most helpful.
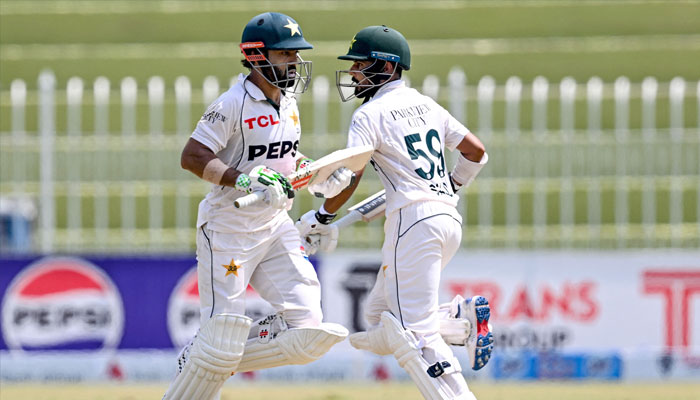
[
  {"x": 353, "y": 158},
  {"x": 367, "y": 210}
]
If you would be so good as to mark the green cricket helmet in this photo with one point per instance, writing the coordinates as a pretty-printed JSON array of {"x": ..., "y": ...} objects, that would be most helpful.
[
  {"x": 381, "y": 44},
  {"x": 276, "y": 31}
]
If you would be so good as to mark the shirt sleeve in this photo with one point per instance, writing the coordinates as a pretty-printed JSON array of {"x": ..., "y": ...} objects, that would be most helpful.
[
  {"x": 454, "y": 131},
  {"x": 216, "y": 126},
  {"x": 361, "y": 132}
]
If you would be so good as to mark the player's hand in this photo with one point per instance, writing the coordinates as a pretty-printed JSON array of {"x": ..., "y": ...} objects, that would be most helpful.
[
  {"x": 317, "y": 233},
  {"x": 326, "y": 240},
  {"x": 311, "y": 221},
  {"x": 336, "y": 183},
  {"x": 311, "y": 243},
  {"x": 276, "y": 187}
]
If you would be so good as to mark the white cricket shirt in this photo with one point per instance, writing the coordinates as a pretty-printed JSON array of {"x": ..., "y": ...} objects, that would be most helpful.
[
  {"x": 409, "y": 132},
  {"x": 244, "y": 130}
]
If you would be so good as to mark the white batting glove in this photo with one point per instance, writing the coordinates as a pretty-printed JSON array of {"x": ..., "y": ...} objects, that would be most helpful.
[
  {"x": 311, "y": 243},
  {"x": 325, "y": 239},
  {"x": 276, "y": 187},
  {"x": 310, "y": 222},
  {"x": 336, "y": 183},
  {"x": 316, "y": 232}
]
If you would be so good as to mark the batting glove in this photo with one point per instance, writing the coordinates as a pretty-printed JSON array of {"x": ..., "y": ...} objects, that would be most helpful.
[
  {"x": 276, "y": 186},
  {"x": 325, "y": 239},
  {"x": 334, "y": 184},
  {"x": 316, "y": 231}
]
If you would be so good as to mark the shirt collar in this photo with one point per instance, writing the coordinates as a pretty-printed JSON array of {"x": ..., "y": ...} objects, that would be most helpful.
[
  {"x": 252, "y": 89},
  {"x": 256, "y": 93},
  {"x": 388, "y": 87}
]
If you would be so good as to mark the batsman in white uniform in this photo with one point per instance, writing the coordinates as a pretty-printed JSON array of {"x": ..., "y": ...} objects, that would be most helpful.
[
  {"x": 410, "y": 132},
  {"x": 248, "y": 140}
]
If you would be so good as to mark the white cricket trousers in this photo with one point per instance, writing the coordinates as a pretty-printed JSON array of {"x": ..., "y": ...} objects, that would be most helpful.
[
  {"x": 271, "y": 261},
  {"x": 420, "y": 239}
]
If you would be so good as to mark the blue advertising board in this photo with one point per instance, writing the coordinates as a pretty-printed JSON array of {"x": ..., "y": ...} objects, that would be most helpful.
[{"x": 530, "y": 365}]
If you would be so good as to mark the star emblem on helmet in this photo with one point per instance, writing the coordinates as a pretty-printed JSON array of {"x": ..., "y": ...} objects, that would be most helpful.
[
  {"x": 293, "y": 28},
  {"x": 352, "y": 42}
]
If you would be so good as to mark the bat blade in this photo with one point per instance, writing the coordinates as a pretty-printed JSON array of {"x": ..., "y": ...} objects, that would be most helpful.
[
  {"x": 367, "y": 210},
  {"x": 353, "y": 158},
  {"x": 371, "y": 207}
]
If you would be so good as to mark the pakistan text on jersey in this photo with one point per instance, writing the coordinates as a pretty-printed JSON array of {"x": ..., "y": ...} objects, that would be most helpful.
[
  {"x": 213, "y": 116},
  {"x": 273, "y": 150}
]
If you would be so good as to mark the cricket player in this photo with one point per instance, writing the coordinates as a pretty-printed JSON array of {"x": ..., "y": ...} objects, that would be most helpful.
[
  {"x": 248, "y": 140},
  {"x": 410, "y": 132}
]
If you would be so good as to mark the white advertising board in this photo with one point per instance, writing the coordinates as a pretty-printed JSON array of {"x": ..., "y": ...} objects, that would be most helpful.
[{"x": 640, "y": 303}]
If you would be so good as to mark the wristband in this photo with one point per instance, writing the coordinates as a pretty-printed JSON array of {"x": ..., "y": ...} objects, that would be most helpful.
[
  {"x": 324, "y": 216},
  {"x": 214, "y": 171}
]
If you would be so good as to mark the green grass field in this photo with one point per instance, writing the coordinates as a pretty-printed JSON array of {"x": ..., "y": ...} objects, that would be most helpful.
[{"x": 363, "y": 391}]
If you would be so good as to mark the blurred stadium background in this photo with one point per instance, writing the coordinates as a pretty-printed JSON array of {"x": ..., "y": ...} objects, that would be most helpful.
[{"x": 588, "y": 214}]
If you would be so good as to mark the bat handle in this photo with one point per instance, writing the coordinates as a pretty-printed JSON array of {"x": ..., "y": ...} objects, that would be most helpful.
[
  {"x": 349, "y": 219},
  {"x": 249, "y": 199}
]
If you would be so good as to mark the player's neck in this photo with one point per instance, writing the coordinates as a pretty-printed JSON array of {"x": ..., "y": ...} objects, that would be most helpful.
[{"x": 270, "y": 91}]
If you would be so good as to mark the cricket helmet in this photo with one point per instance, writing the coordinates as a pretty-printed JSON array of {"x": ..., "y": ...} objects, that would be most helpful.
[
  {"x": 381, "y": 45},
  {"x": 380, "y": 42},
  {"x": 276, "y": 31}
]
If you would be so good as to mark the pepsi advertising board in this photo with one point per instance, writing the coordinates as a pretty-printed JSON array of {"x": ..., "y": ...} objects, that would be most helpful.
[
  {"x": 56, "y": 303},
  {"x": 90, "y": 303},
  {"x": 132, "y": 314}
]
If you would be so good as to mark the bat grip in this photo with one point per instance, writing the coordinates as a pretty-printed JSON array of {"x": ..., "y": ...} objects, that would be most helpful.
[
  {"x": 249, "y": 199},
  {"x": 349, "y": 219}
]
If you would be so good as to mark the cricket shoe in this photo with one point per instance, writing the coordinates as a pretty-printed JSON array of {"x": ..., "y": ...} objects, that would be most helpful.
[{"x": 480, "y": 340}]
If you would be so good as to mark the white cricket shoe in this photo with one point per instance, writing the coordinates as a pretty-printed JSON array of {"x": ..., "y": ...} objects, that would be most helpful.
[{"x": 480, "y": 341}]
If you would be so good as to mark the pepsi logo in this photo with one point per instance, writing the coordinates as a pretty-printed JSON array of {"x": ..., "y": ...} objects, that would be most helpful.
[{"x": 62, "y": 303}]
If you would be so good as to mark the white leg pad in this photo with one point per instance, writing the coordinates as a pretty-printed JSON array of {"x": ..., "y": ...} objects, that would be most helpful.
[
  {"x": 454, "y": 327},
  {"x": 291, "y": 346},
  {"x": 406, "y": 351},
  {"x": 215, "y": 353},
  {"x": 373, "y": 340}
]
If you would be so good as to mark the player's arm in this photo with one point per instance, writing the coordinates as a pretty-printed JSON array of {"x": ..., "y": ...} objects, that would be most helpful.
[
  {"x": 333, "y": 204},
  {"x": 201, "y": 161},
  {"x": 472, "y": 158}
]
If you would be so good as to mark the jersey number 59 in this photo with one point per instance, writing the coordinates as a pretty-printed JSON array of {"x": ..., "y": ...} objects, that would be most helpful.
[{"x": 432, "y": 141}]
